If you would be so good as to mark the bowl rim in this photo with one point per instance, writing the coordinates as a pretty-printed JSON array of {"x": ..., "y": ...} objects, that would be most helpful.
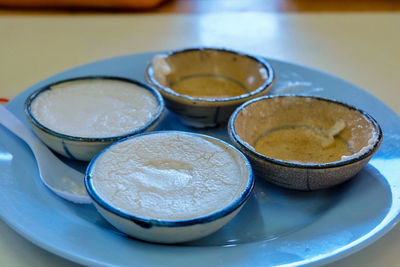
[
  {"x": 268, "y": 83},
  {"x": 243, "y": 146},
  {"x": 148, "y": 222},
  {"x": 38, "y": 124}
]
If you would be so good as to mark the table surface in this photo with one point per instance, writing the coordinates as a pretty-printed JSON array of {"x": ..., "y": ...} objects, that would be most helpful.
[{"x": 362, "y": 48}]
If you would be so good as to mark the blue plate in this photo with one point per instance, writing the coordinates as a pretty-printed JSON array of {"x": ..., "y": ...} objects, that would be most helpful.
[{"x": 276, "y": 226}]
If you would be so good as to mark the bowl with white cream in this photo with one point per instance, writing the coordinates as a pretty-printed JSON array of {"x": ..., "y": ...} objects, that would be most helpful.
[
  {"x": 169, "y": 186},
  {"x": 203, "y": 86},
  {"x": 304, "y": 142},
  {"x": 78, "y": 117}
]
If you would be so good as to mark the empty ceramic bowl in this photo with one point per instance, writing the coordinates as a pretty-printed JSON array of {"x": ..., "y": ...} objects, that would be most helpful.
[
  {"x": 169, "y": 186},
  {"x": 204, "y": 85},
  {"x": 79, "y": 117},
  {"x": 304, "y": 142}
]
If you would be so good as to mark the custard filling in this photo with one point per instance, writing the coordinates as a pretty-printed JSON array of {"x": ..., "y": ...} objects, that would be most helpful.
[{"x": 304, "y": 144}]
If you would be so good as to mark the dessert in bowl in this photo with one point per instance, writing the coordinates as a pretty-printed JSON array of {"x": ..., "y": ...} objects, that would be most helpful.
[
  {"x": 169, "y": 186},
  {"x": 304, "y": 142},
  {"x": 204, "y": 85},
  {"x": 78, "y": 117}
]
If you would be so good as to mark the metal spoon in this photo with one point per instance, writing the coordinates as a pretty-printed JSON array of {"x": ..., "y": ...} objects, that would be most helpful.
[{"x": 63, "y": 180}]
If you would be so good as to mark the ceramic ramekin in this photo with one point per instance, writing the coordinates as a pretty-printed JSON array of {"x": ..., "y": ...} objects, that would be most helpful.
[
  {"x": 166, "y": 230},
  {"x": 84, "y": 148},
  {"x": 196, "y": 70},
  {"x": 263, "y": 116}
]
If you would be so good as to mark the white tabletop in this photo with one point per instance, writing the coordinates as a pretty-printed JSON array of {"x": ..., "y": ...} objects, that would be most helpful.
[{"x": 360, "y": 48}]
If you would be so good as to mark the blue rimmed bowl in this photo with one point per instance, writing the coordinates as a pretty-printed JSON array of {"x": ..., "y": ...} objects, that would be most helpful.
[
  {"x": 84, "y": 148},
  {"x": 205, "y": 85},
  {"x": 155, "y": 228},
  {"x": 304, "y": 142}
]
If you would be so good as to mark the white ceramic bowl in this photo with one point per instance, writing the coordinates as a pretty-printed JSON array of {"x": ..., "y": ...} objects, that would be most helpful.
[
  {"x": 84, "y": 148},
  {"x": 203, "y": 86},
  {"x": 152, "y": 228},
  {"x": 304, "y": 142}
]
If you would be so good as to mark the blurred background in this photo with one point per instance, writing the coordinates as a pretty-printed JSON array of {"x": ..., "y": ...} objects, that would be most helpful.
[{"x": 197, "y": 6}]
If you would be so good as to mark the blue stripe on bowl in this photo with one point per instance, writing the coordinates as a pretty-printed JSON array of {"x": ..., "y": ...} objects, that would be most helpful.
[
  {"x": 216, "y": 114},
  {"x": 67, "y": 151}
]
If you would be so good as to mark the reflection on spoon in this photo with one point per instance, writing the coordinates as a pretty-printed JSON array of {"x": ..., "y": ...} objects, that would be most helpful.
[{"x": 63, "y": 180}]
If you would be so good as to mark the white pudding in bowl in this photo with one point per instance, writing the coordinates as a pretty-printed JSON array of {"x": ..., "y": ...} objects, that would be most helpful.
[
  {"x": 79, "y": 117},
  {"x": 168, "y": 176},
  {"x": 95, "y": 108},
  {"x": 169, "y": 179}
]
